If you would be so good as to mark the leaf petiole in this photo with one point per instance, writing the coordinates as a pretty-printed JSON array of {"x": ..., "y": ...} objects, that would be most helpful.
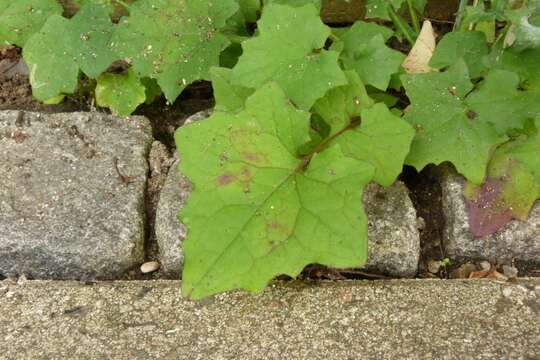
[
  {"x": 401, "y": 25},
  {"x": 306, "y": 159},
  {"x": 414, "y": 17}
]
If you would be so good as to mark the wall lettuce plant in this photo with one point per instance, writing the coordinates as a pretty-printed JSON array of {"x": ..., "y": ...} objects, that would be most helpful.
[{"x": 304, "y": 116}]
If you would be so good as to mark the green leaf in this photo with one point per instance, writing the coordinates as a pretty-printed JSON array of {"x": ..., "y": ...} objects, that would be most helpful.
[
  {"x": 174, "y": 41},
  {"x": 258, "y": 210},
  {"x": 379, "y": 8},
  {"x": 510, "y": 189},
  {"x": 373, "y": 61},
  {"x": 528, "y": 153},
  {"x": 289, "y": 50},
  {"x": 108, "y": 4},
  {"x": 250, "y": 9},
  {"x": 51, "y": 71},
  {"x": 229, "y": 97},
  {"x": 121, "y": 92},
  {"x": 447, "y": 129},
  {"x": 20, "y": 19},
  {"x": 382, "y": 140},
  {"x": 499, "y": 101},
  {"x": 89, "y": 35},
  {"x": 360, "y": 33},
  {"x": 152, "y": 90},
  {"x": 525, "y": 63},
  {"x": 525, "y": 30},
  {"x": 340, "y": 105},
  {"x": 63, "y": 47},
  {"x": 296, "y": 3},
  {"x": 470, "y": 46}
]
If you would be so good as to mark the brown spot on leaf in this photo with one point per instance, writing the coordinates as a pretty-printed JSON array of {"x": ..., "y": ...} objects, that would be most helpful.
[
  {"x": 471, "y": 114},
  {"x": 241, "y": 176},
  {"x": 254, "y": 157},
  {"x": 225, "y": 179}
]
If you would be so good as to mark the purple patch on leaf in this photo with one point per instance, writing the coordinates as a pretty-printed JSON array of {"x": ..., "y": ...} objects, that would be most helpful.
[{"x": 488, "y": 211}]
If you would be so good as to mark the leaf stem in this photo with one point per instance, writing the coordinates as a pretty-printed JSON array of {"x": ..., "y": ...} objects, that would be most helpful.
[
  {"x": 471, "y": 25},
  {"x": 460, "y": 13},
  {"x": 355, "y": 122},
  {"x": 401, "y": 25},
  {"x": 414, "y": 18}
]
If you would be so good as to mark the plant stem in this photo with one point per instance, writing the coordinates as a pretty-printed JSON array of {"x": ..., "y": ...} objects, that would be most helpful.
[
  {"x": 402, "y": 25},
  {"x": 414, "y": 18},
  {"x": 461, "y": 11},
  {"x": 471, "y": 25},
  {"x": 355, "y": 122}
]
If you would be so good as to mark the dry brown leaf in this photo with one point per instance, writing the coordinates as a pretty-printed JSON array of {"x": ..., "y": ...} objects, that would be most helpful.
[
  {"x": 463, "y": 272},
  {"x": 418, "y": 59},
  {"x": 478, "y": 274}
]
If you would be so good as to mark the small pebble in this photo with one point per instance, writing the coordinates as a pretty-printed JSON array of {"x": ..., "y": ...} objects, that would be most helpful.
[
  {"x": 22, "y": 279},
  {"x": 149, "y": 267},
  {"x": 420, "y": 223},
  {"x": 507, "y": 291},
  {"x": 434, "y": 266},
  {"x": 485, "y": 265}
]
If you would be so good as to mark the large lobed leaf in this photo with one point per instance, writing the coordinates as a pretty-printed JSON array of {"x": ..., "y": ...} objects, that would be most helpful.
[
  {"x": 364, "y": 50},
  {"x": 63, "y": 47},
  {"x": 460, "y": 123},
  {"x": 259, "y": 209},
  {"x": 174, "y": 41},
  {"x": 511, "y": 187},
  {"x": 20, "y": 19},
  {"x": 289, "y": 50},
  {"x": 471, "y": 46},
  {"x": 121, "y": 92}
]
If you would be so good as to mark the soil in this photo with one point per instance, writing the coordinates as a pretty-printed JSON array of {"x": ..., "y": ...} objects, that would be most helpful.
[{"x": 426, "y": 195}]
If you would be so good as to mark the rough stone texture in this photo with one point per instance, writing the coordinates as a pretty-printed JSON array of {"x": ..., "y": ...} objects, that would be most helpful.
[
  {"x": 159, "y": 160},
  {"x": 406, "y": 319},
  {"x": 518, "y": 240},
  {"x": 72, "y": 192},
  {"x": 394, "y": 240},
  {"x": 170, "y": 232},
  {"x": 393, "y": 236}
]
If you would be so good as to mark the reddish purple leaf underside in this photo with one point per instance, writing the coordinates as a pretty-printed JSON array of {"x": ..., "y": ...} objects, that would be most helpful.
[{"x": 488, "y": 210}]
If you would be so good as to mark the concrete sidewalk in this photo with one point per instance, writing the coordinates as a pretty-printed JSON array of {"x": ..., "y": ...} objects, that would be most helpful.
[{"x": 410, "y": 319}]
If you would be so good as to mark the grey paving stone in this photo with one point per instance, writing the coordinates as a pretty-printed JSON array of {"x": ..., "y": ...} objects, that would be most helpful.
[
  {"x": 394, "y": 240},
  {"x": 393, "y": 236},
  {"x": 170, "y": 232},
  {"x": 72, "y": 194},
  {"x": 518, "y": 240},
  {"x": 406, "y": 319}
]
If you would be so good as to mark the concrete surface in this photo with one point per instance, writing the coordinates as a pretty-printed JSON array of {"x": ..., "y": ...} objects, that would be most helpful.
[
  {"x": 72, "y": 190},
  {"x": 407, "y": 319},
  {"x": 517, "y": 240}
]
